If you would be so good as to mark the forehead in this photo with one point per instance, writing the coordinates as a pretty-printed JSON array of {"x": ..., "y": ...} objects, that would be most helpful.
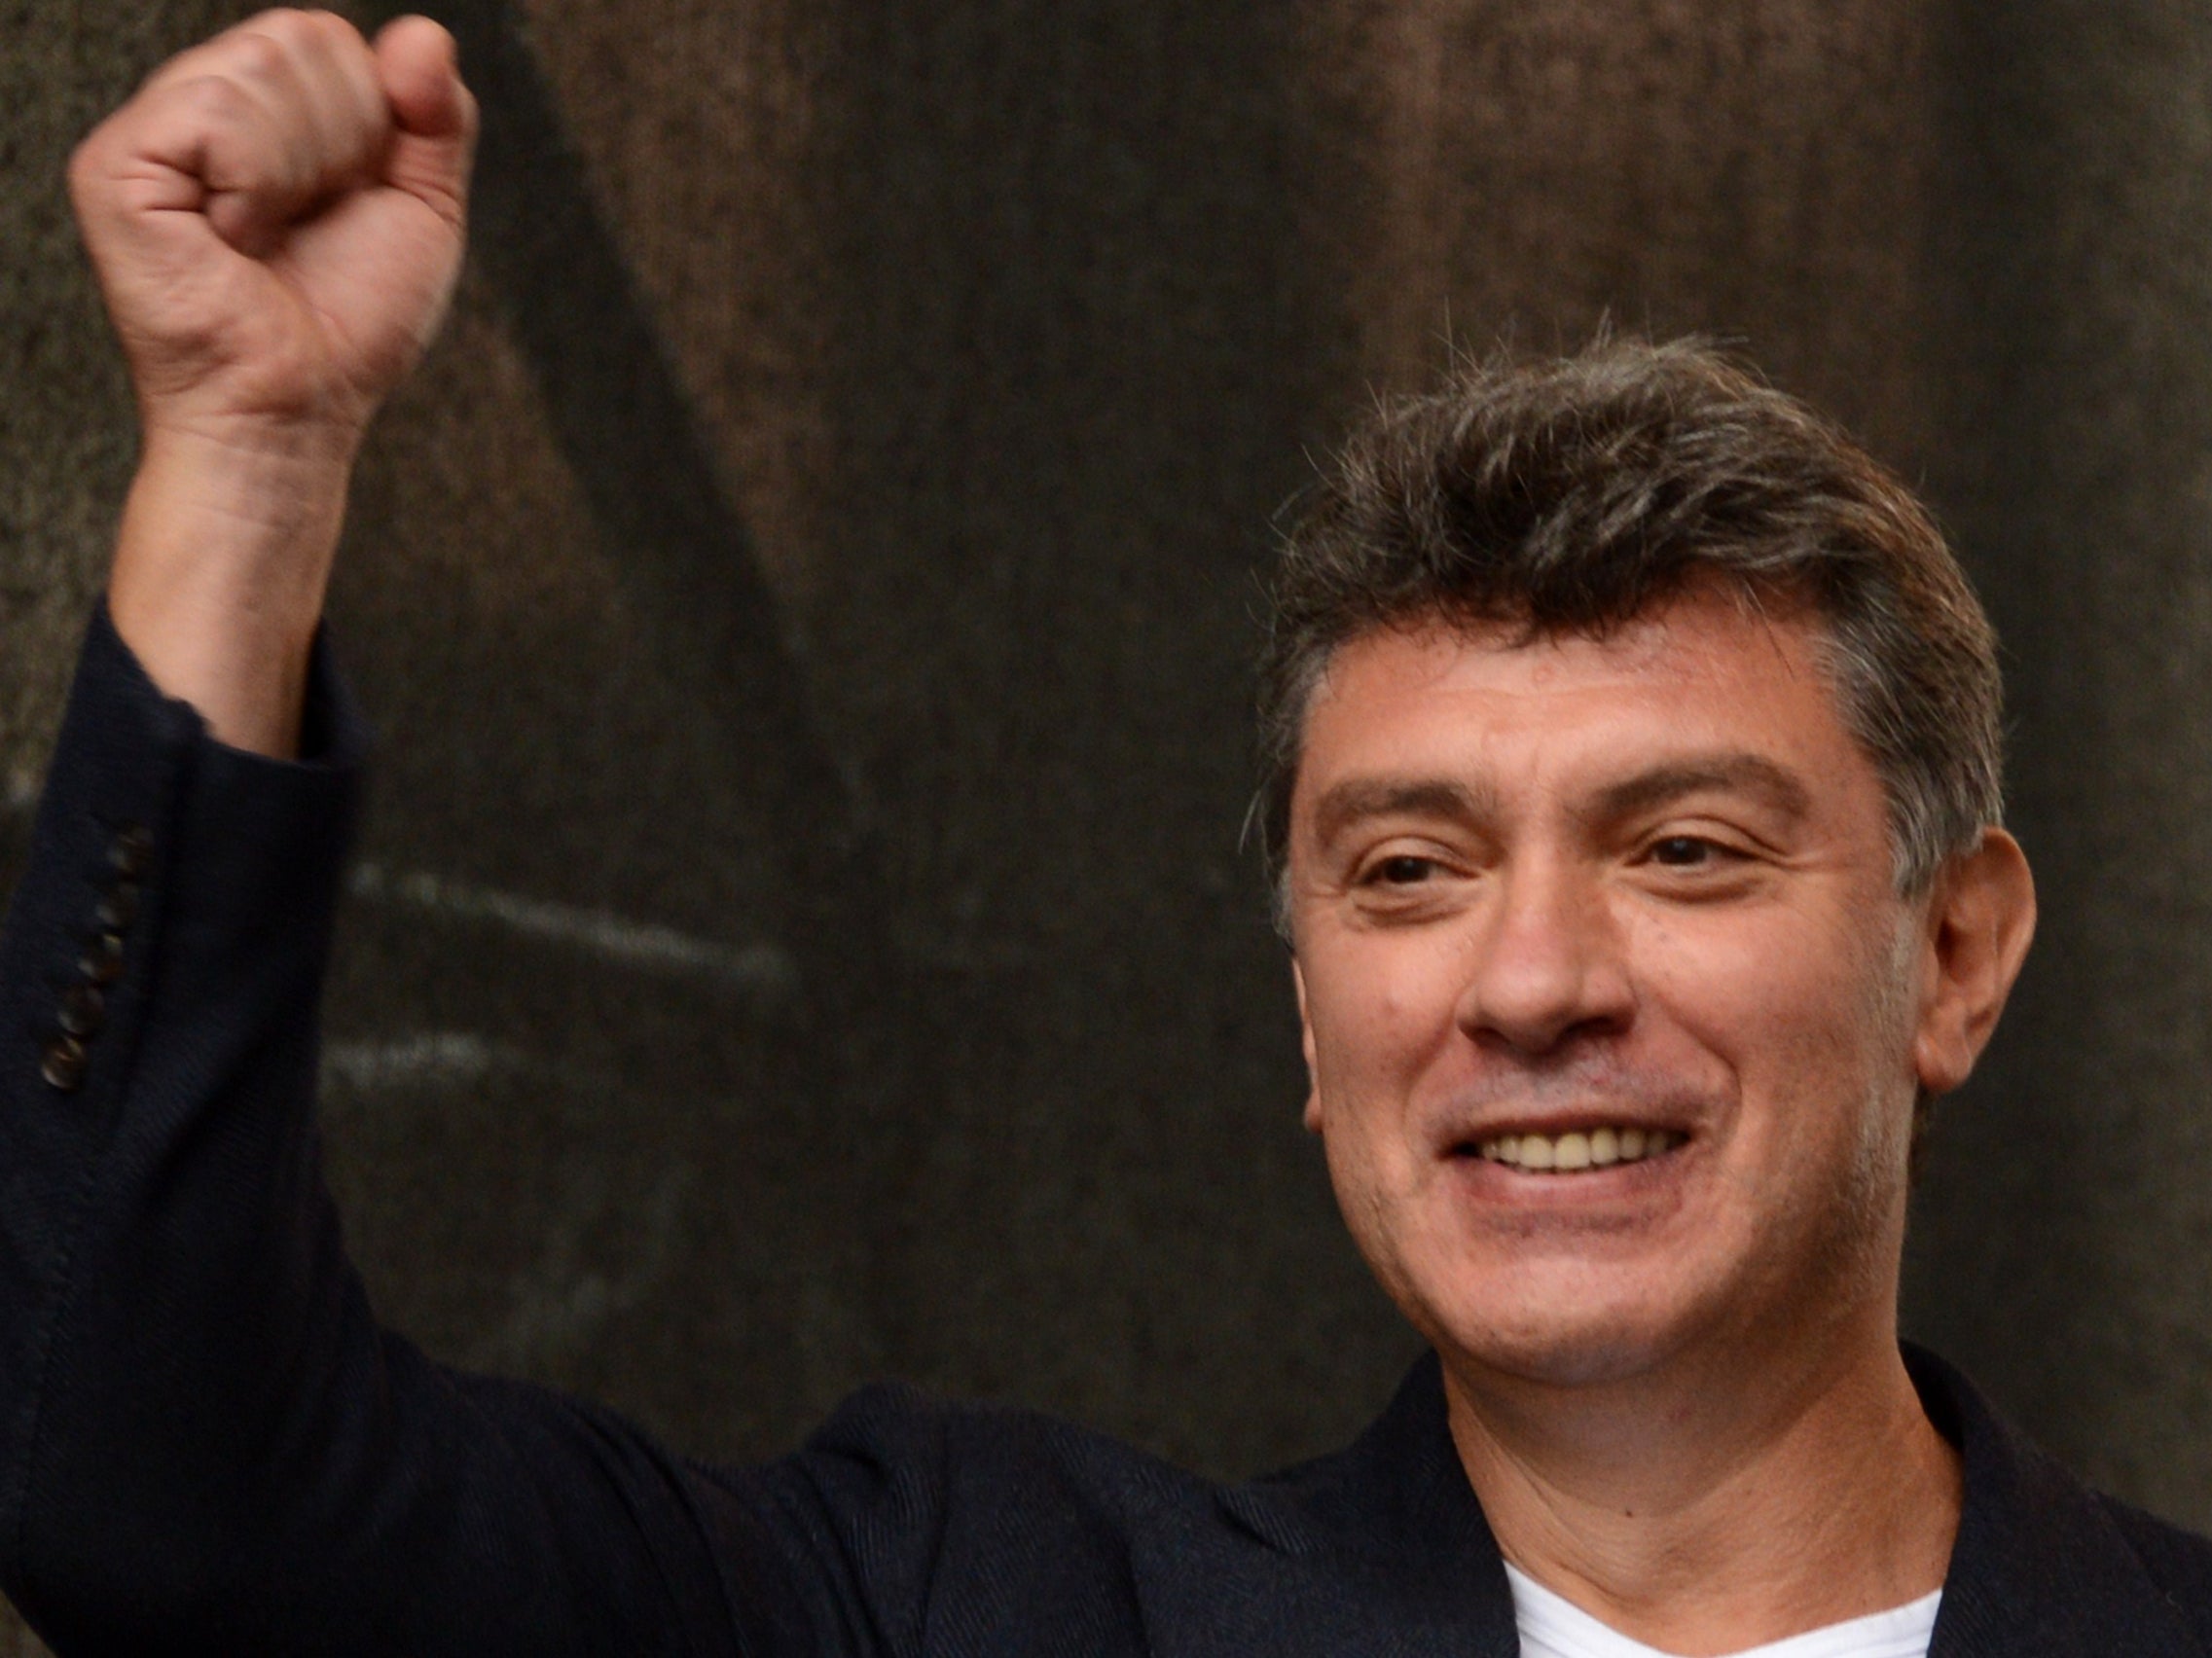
[{"x": 1708, "y": 671}]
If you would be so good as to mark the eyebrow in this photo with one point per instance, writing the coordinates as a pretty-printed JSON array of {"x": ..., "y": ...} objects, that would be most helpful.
[
  {"x": 1735, "y": 773},
  {"x": 1358, "y": 799}
]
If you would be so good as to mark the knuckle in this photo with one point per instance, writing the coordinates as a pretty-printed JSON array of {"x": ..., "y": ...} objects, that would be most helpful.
[
  {"x": 331, "y": 26},
  {"x": 278, "y": 20},
  {"x": 217, "y": 101},
  {"x": 304, "y": 31},
  {"x": 256, "y": 54}
]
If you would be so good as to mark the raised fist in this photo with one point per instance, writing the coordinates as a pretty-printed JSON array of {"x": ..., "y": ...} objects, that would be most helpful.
[{"x": 278, "y": 220}]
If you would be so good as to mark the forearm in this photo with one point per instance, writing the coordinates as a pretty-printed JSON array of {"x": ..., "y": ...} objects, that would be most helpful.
[{"x": 220, "y": 566}]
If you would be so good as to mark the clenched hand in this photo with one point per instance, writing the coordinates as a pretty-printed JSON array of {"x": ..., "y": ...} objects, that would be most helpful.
[{"x": 278, "y": 221}]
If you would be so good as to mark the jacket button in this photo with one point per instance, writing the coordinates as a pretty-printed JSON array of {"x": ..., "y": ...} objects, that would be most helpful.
[
  {"x": 102, "y": 960},
  {"x": 118, "y": 907},
  {"x": 64, "y": 1065},
  {"x": 132, "y": 851},
  {"x": 84, "y": 1010}
]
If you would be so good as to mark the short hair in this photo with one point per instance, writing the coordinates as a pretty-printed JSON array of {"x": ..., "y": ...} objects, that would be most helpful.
[{"x": 1572, "y": 495}]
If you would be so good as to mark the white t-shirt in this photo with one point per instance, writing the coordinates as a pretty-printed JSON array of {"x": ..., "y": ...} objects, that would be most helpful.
[{"x": 1553, "y": 1627}]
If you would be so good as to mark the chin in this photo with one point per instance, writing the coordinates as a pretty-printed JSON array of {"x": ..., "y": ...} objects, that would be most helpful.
[
  {"x": 1578, "y": 1358},
  {"x": 1553, "y": 1334}
]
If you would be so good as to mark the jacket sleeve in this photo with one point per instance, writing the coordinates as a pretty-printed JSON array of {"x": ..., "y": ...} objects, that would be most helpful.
[{"x": 206, "y": 1443}]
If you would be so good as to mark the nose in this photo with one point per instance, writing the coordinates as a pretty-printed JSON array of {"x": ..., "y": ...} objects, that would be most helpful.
[{"x": 1547, "y": 966}]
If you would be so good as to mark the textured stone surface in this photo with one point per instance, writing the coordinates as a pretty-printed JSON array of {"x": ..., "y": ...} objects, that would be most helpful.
[{"x": 806, "y": 597}]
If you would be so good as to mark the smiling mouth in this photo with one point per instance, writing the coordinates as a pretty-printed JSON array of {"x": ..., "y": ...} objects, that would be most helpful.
[{"x": 1578, "y": 1151}]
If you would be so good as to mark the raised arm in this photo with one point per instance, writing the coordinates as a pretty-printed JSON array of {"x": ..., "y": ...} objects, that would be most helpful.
[
  {"x": 207, "y": 1444},
  {"x": 278, "y": 220}
]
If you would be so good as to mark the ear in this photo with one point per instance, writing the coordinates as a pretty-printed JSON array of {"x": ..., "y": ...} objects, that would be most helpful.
[
  {"x": 1306, "y": 1046},
  {"x": 1980, "y": 918}
]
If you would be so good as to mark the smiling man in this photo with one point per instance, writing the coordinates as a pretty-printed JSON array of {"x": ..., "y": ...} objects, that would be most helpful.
[
  {"x": 1632, "y": 746},
  {"x": 1635, "y": 745}
]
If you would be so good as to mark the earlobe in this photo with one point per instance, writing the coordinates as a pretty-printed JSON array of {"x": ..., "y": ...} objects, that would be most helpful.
[
  {"x": 1981, "y": 921},
  {"x": 1312, "y": 1116}
]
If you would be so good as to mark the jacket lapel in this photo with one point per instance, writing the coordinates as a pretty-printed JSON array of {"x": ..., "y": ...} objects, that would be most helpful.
[
  {"x": 2041, "y": 1569},
  {"x": 1392, "y": 1523}
]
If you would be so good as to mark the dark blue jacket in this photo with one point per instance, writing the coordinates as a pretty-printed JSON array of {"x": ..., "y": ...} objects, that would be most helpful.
[{"x": 208, "y": 1446}]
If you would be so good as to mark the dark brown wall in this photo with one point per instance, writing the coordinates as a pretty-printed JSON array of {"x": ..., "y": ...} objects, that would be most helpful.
[
  {"x": 2065, "y": 1234},
  {"x": 805, "y": 599}
]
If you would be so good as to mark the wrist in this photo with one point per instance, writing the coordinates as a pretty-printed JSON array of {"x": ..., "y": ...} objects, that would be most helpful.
[{"x": 261, "y": 462}]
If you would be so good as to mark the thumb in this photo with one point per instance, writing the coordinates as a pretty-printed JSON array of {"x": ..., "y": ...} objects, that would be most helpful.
[{"x": 434, "y": 115}]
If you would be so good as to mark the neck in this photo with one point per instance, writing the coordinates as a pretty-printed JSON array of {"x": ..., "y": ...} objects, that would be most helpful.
[{"x": 1718, "y": 1503}]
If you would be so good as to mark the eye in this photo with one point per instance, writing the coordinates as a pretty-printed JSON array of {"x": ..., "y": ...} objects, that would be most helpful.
[
  {"x": 1698, "y": 863},
  {"x": 1406, "y": 880},
  {"x": 1404, "y": 870},
  {"x": 1684, "y": 852}
]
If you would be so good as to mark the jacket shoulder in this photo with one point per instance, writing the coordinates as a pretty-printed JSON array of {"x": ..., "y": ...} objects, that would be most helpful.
[{"x": 894, "y": 1445}]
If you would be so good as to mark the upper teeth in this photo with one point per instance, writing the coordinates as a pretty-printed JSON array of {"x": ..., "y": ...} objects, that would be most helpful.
[{"x": 1562, "y": 1154}]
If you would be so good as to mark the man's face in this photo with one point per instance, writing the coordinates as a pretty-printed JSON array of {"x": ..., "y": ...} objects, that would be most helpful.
[{"x": 1555, "y": 899}]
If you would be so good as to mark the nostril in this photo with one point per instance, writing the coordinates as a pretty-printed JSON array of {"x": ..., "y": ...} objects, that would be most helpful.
[{"x": 1547, "y": 1039}]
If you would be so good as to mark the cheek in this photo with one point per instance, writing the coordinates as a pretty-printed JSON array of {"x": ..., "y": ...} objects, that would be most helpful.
[
  {"x": 1801, "y": 1010},
  {"x": 1381, "y": 1009},
  {"x": 1736, "y": 988}
]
